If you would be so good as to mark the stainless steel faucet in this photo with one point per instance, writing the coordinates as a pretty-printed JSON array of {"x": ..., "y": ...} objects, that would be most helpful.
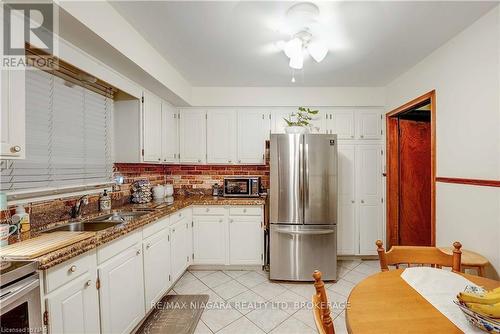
[{"x": 76, "y": 210}]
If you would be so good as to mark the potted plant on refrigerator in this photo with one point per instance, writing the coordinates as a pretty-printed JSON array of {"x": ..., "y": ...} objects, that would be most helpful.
[{"x": 300, "y": 122}]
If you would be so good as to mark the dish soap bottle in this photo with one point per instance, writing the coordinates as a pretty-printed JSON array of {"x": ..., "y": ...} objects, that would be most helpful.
[
  {"x": 105, "y": 201},
  {"x": 22, "y": 219}
]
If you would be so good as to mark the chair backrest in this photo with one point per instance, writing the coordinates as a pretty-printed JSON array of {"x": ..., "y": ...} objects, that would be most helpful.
[
  {"x": 419, "y": 255},
  {"x": 321, "y": 310}
]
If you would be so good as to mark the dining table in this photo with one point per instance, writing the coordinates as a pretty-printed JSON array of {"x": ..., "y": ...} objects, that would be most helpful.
[{"x": 385, "y": 303}]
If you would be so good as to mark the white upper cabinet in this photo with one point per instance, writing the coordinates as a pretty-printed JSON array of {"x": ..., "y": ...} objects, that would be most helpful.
[
  {"x": 278, "y": 123},
  {"x": 12, "y": 111},
  {"x": 192, "y": 141},
  {"x": 170, "y": 133},
  {"x": 221, "y": 136},
  {"x": 253, "y": 131},
  {"x": 355, "y": 124},
  {"x": 152, "y": 131},
  {"x": 369, "y": 124},
  {"x": 342, "y": 124},
  {"x": 318, "y": 121}
]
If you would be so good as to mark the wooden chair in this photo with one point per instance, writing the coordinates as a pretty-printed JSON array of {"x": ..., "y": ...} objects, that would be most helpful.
[
  {"x": 321, "y": 310},
  {"x": 419, "y": 255}
]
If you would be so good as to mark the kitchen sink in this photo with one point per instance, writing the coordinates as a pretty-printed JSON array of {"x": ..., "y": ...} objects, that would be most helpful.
[
  {"x": 121, "y": 216},
  {"x": 85, "y": 226},
  {"x": 101, "y": 223}
]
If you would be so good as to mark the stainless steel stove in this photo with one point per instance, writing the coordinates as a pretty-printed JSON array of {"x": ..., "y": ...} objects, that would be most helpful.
[{"x": 20, "y": 305}]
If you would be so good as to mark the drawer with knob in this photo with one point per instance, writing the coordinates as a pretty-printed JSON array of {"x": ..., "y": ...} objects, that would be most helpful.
[
  {"x": 65, "y": 272},
  {"x": 179, "y": 215},
  {"x": 245, "y": 210},
  {"x": 209, "y": 210}
]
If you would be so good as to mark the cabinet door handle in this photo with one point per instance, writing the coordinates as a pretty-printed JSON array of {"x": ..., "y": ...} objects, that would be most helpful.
[
  {"x": 138, "y": 252},
  {"x": 229, "y": 161},
  {"x": 220, "y": 220},
  {"x": 15, "y": 149},
  {"x": 352, "y": 136},
  {"x": 362, "y": 136},
  {"x": 353, "y": 201},
  {"x": 239, "y": 161},
  {"x": 148, "y": 246},
  {"x": 362, "y": 201},
  {"x": 244, "y": 210},
  {"x": 199, "y": 160},
  {"x": 88, "y": 283},
  {"x": 72, "y": 269}
]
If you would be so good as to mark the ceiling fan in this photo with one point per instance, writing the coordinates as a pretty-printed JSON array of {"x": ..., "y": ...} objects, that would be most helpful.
[{"x": 303, "y": 16}]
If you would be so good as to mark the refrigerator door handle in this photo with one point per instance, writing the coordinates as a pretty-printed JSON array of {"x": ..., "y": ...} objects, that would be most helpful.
[
  {"x": 307, "y": 232},
  {"x": 305, "y": 179}
]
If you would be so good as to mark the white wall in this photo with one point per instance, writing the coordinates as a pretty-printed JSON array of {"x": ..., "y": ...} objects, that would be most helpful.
[
  {"x": 465, "y": 73},
  {"x": 287, "y": 96}
]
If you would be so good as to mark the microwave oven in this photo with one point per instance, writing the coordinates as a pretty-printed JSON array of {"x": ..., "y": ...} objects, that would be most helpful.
[{"x": 242, "y": 186}]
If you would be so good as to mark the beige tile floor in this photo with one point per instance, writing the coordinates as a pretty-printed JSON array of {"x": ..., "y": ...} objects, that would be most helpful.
[{"x": 247, "y": 302}]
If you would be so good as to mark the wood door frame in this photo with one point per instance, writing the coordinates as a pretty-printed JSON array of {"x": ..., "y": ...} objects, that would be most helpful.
[{"x": 392, "y": 179}]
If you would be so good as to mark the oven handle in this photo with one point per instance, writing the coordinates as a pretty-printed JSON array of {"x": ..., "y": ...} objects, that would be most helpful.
[
  {"x": 305, "y": 232},
  {"x": 19, "y": 289}
]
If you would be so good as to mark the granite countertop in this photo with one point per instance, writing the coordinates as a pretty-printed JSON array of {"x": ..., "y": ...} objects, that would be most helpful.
[{"x": 101, "y": 237}]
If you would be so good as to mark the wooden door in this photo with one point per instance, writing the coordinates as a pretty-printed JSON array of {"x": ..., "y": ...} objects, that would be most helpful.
[{"x": 415, "y": 183}]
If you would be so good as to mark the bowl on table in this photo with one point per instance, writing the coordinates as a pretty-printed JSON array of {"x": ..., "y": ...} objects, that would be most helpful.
[{"x": 487, "y": 324}]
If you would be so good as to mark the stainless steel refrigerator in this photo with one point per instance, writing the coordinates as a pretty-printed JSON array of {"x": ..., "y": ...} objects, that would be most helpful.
[{"x": 303, "y": 206}]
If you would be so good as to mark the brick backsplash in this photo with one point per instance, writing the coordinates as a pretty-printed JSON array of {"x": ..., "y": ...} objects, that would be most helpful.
[{"x": 200, "y": 177}]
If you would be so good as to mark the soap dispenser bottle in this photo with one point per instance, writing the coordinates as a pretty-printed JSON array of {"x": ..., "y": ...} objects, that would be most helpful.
[{"x": 105, "y": 201}]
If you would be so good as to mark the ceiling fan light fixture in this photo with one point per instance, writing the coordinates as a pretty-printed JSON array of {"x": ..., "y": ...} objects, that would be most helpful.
[
  {"x": 293, "y": 48},
  {"x": 317, "y": 50},
  {"x": 297, "y": 62}
]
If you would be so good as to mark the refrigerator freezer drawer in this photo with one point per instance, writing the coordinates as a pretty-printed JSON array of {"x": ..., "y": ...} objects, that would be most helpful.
[{"x": 298, "y": 250}]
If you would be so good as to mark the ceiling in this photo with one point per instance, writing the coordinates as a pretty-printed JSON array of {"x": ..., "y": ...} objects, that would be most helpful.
[{"x": 234, "y": 43}]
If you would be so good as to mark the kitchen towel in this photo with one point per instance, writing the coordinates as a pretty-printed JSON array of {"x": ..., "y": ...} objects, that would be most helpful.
[{"x": 440, "y": 287}]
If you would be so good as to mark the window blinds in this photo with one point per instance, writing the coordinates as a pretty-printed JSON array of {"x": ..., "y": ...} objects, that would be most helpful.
[{"x": 67, "y": 138}]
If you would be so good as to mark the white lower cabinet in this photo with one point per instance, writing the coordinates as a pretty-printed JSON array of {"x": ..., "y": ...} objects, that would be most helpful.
[
  {"x": 230, "y": 235},
  {"x": 74, "y": 307},
  {"x": 246, "y": 240},
  {"x": 111, "y": 289},
  {"x": 157, "y": 278},
  {"x": 209, "y": 236},
  {"x": 178, "y": 248},
  {"x": 121, "y": 293}
]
